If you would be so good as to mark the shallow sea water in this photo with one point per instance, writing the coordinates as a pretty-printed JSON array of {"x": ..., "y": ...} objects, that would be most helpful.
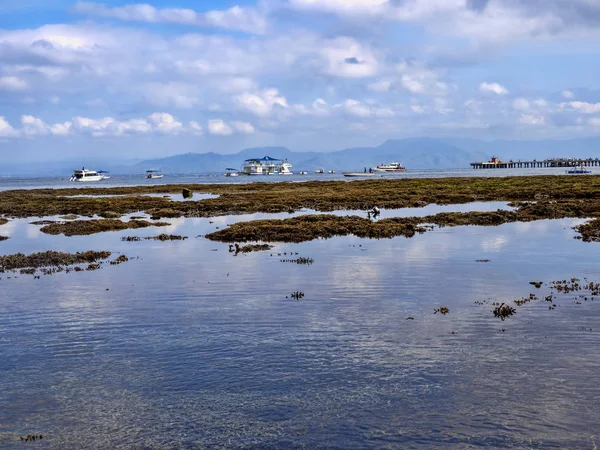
[{"x": 193, "y": 347}]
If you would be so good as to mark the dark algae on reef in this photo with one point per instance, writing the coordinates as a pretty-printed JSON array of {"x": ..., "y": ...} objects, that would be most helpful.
[{"x": 321, "y": 196}]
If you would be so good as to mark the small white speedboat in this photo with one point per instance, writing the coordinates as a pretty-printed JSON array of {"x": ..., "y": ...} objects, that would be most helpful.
[
  {"x": 153, "y": 174},
  {"x": 231, "y": 172}
]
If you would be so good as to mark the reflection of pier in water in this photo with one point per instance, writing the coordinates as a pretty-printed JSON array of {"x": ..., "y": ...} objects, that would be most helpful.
[{"x": 495, "y": 163}]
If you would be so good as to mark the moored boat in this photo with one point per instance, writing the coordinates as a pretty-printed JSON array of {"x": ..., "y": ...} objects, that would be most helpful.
[
  {"x": 266, "y": 166},
  {"x": 231, "y": 172},
  {"x": 578, "y": 170},
  {"x": 358, "y": 174},
  {"x": 153, "y": 174},
  {"x": 85, "y": 175},
  {"x": 391, "y": 167},
  {"x": 319, "y": 171}
]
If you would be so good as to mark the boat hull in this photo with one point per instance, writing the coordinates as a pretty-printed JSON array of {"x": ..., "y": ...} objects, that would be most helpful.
[
  {"x": 358, "y": 174},
  {"x": 87, "y": 179},
  {"x": 152, "y": 177}
]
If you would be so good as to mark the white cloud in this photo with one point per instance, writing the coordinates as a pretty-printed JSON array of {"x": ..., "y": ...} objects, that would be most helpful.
[
  {"x": 319, "y": 108},
  {"x": 417, "y": 109},
  {"x": 243, "y": 127},
  {"x": 441, "y": 106},
  {"x": 33, "y": 126},
  {"x": 359, "y": 109},
  {"x": 567, "y": 94},
  {"x": 350, "y": 7},
  {"x": 380, "y": 86},
  {"x": 219, "y": 128},
  {"x": 355, "y": 108},
  {"x": 159, "y": 122},
  {"x": 165, "y": 123},
  {"x": 196, "y": 127},
  {"x": 261, "y": 104},
  {"x": 6, "y": 130},
  {"x": 61, "y": 129},
  {"x": 521, "y": 104},
  {"x": 236, "y": 18},
  {"x": 11, "y": 83},
  {"x": 493, "y": 87},
  {"x": 109, "y": 126},
  {"x": 474, "y": 106},
  {"x": 583, "y": 107},
  {"x": 412, "y": 85},
  {"x": 172, "y": 94},
  {"x": 491, "y": 21},
  {"x": 235, "y": 84},
  {"x": 531, "y": 119},
  {"x": 346, "y": 57}
]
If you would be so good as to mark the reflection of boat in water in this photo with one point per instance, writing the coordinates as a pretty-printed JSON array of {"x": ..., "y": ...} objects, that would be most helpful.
[
  {"x": 154, "y": 174},
  {"x": 266, "y": 166},
  {"x": 358, "y": 174},
  {"x": 391, "y": 167},
  {"x": 85, "y": 175},
  {"x": 231, "y": 172},
  {"x": 578, "y": 170}
]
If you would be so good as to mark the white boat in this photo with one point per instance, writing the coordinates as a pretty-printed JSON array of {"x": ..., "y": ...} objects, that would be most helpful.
[
  {"x": 391, "y": 167},
  {"x": 319, "y": 171},
  {"x": 85, "y": 175},
  {"x": 285, "y": 169},
  {"x": 358, "y": 174},
  {"x": 303, "y": 172},
  {"x": 104, "y": 174},
  {"x": 153, "y": 174},
  {"x": 266, "y": 166},
  {"x": 331, "y": 171},
  {"x": 578, "y": 170},
  {"x": 231, "y": 172}
]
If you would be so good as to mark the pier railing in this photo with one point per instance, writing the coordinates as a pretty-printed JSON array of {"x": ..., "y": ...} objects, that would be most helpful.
[{"x": 554, "y": 162}]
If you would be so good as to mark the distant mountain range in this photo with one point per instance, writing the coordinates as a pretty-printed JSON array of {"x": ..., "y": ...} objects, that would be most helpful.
[
  {"x": 422, "y": 153},
  {"x": 414, "y": 153}
]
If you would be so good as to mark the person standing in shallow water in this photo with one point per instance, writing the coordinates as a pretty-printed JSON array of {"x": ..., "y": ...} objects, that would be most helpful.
[{"x": 365, "y": 170}]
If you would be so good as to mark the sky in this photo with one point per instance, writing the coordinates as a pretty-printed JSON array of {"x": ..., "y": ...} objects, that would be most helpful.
[{"x": 126, "y": 80}]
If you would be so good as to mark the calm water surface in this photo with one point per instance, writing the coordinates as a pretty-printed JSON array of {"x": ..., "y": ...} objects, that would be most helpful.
[
  {"x": 118, "y": 180},
  {"x": 193, "y": 347}
]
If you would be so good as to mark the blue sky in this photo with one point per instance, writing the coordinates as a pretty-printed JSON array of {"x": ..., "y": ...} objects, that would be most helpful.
[{"x": 126, "y": 80}]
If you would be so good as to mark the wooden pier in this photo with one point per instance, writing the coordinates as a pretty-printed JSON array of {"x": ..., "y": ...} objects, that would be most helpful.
[{"x": 495, "y": 163}]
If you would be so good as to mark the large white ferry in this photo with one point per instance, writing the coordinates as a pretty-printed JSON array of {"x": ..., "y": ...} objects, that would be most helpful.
[
  {"x": 85, "y": 175},
  {"x": 266, "y": 166},
  {"x": 391, "y": 167}
]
